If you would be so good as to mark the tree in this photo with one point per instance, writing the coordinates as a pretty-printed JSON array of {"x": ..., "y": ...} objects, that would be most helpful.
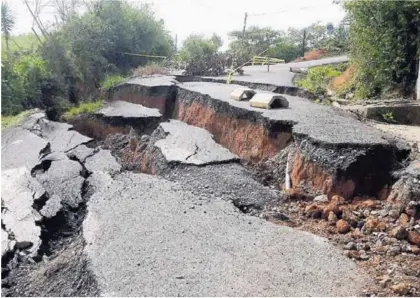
[
  {"x": 7, "y": 22},
  {"x": 286, "y": 49},
  {"x": 66, "y": 8},
  {"x": 385, "y": 45},
  {"x": 103, "y": 40},
  {"x": 253, "y": 41},
  {"x": 200, "y": 55}
]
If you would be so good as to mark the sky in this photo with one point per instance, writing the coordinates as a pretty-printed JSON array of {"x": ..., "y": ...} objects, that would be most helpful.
[{"x": 183, "y": 17}]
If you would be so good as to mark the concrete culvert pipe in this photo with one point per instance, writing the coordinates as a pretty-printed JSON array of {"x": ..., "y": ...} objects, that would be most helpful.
[
  {"x": 242, "y": 94},
  {"x": 268, "y": 101}
]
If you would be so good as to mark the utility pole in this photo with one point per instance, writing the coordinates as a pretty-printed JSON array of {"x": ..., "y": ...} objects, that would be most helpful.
[
  {"x": 176, "y": 42},
  {"x": 245, "y": 19},
  {"x": 303, "y": 43}
]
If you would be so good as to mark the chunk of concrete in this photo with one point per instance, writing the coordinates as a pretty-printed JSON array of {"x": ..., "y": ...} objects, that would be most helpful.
[
  {"x": 18, "y": 192},
  {"x": 188, "y": 144},
  {"x": 51, "y": 207},
  {"x": 299, "y": 69},
  {"x": 242, "y": 94},
  {"x": 63, "y": 179},
  {"x": 103, "y": 161},
  {"x": 80, "y": 153},
  {"x": 268, "y": 101},
  {"x": 128, "y": 110}
]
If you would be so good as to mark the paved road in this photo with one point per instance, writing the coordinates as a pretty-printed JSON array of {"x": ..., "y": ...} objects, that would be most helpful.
[
  {"x": 147, "y": 236},
  {"x": 280, "y": 73},
  {"x": 319, "y": 123}
]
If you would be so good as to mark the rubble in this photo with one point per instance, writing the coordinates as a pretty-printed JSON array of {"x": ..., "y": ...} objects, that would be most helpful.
[
  {"x": 376, "y": 240},
  {"x": 42, "y": 201}
]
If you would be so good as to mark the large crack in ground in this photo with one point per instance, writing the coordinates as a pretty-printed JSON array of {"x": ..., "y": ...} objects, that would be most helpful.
[
  {"x": 59, "y": 266},
  {"x": 61, "y": 262},
  {"x": 296, "y": 209}
]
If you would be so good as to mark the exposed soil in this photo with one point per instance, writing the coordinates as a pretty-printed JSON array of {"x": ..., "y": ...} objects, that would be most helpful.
[
  {"x": 366, "y": 228},
  {"x": 65, "y": 273},
  {"x": 383, "y": 237},
  {"x": 368, "y": 239}
]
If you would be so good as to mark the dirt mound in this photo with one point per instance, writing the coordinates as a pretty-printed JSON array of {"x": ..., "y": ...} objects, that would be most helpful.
[{"x": 313, "y": 55}]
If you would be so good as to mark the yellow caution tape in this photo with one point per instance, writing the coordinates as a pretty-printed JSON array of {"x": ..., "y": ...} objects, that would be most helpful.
[{"x": 144, "y": 55}]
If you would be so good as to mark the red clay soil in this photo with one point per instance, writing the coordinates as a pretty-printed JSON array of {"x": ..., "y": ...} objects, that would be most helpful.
[
  {"x": 251, "y": 142},
  {"x": 313, "y": 55}
]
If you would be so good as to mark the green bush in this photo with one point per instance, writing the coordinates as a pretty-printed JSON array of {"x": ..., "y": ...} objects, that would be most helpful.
[
  {"x": 12, "y": 93},
  {"x": 385, "y": 45},
  {"x": 317, "y": 79},
  {"x": 111, "y": 81},
  {"x": 31, "y": 68},
  {"x": 23, "y": 75}
]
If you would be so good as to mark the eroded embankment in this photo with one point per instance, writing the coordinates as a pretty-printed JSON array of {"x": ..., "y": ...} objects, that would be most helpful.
[{"x": 318, "y": 162}]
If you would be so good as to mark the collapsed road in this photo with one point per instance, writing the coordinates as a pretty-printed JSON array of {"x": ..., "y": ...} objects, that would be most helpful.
[
  {"x": 95, "y": 230},
  {"x": 156, "y": 194}
]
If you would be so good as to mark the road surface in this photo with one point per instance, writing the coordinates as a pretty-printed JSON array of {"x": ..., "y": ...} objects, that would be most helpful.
[
  {"x": 147, "y": 236},
  {"x": 280, "y": 74}
]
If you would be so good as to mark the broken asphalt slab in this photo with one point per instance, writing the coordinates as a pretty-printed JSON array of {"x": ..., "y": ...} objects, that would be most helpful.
[
  {"x": 127, "y": 110},
  {"x": 317, "y": 122},
  {"x": 20, "y": 152},
  {"x": 334, "y": 151},
  {"x": 26, "y": 149},
  {"x": 61, "y": 136},
  {"x": 188, "y": 144},
  {"x": 102, "y": 161},
  {"x": 165, "y": 241}
]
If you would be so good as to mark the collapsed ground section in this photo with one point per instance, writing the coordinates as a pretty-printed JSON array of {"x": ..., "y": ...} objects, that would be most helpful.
[{"x": 325, "y": 158}]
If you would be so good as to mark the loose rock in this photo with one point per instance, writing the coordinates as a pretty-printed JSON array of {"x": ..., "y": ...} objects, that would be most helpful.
[
  {"x": 404, "y": 219},
  {"x": 332, "y": 218},
  {"x": 401, "y": 288},
  {"x": 321, "y": 199},
  {"x": 399, "y": 232},
  {"x": 313, "y": 211},
  {"x": 414, "y": 237},
  {"x": 342, "y": 226}
]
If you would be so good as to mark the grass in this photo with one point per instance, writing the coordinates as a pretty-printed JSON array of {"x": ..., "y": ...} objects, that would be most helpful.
[
  {"x": 111, "y": 81},
  {"x": 84, "y": 108},
  {"x": 9, "y": 121},
  {"x": 21, "y": 42},
  {"x": 388, "y": 117}
]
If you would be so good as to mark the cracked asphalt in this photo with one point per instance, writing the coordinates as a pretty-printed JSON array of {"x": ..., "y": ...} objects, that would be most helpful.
[
  {"x": 146, "y": 235},
  {"x": 191, "y": 145},
  {"x": 317, "y": 122}
]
